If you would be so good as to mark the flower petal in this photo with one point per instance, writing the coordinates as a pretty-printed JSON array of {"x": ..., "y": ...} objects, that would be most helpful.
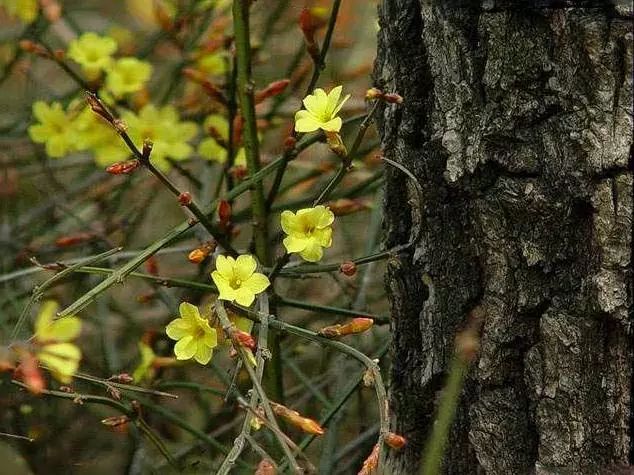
[
  {"x": 257, "y": 283},
  {"x": 323, "y": 237},
  {"x": 185, "y": 348},
  {"x": 63, "y": 329},
  {"x": 305, "y": 122},
  {"x": 225, "y": 266},
  {"x": 333, "y": 100},
  {"x": 290, "y": 223},
  {"x": 244, "y": 296},
  {"x": 333, "y": 125},
  {"x": 325, "y": 217},
  {"x": 62, "y": 359},
  {"x": 316, "y": 102},
  {"x": 203, "y": 354},
  {"x": 313, "y": 252},
  {"x": 45, "y": 318},
  {"x": 295, "y": 244},
  {"x": 189, "y": 312},
  {"x": 179, "y": 328},
  {"x": 338, "y": 108},
  {"x": 245, "y": 266},
  {"x": 211, "y": 338},
  {"x": 225, "y": 291}
]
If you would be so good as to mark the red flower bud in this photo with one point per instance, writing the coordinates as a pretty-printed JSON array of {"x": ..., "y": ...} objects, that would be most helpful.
[
  {"x": 224, "y": 211},
  {"x": 66, "y": 241},
  {"x": 395, "y": 441},
  {"x": 289, "y": 143},
  {"x": 273, "y": 89},
  {"x": 185, "y": 198},
  {"x": 348, "y": 268},
  {"x": 123, "y": 168},
  {"x": 244, "y": 339}
]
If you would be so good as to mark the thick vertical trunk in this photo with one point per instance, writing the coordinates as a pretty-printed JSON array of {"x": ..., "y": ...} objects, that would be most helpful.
[{"x": 517, "y": 122}]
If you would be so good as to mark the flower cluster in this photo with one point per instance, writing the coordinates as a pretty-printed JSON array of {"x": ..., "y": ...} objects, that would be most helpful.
[
  {"x": 25, "y": 10},
  {"x": 94, "y": 54},
  {"x": 67, "y": 131}
]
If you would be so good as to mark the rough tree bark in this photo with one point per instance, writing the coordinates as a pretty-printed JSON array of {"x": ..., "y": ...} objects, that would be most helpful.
[{"x": 517, "y": 122}]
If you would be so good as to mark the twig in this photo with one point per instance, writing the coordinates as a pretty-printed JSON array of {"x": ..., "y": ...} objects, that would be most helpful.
[{"x": 229, "y": 330}]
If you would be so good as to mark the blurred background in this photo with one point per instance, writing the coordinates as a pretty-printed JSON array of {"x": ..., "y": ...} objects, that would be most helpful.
[{"x": 67, "y": 208}]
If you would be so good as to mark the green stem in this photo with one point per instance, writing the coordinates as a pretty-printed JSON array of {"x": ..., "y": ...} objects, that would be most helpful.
[
  {"x": 435, "y": 448},
  {"x": 247, "y": 107}
]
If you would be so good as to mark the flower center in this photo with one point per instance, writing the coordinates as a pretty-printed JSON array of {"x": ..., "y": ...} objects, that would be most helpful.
[
  {"x": 309, "y": 229},
  {"x": 236, "y": 283}
]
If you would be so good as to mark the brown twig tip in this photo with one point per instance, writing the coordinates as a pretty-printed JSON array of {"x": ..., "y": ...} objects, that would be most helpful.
[
  {"x": 31, "y": 46},
  {"x": 98, "y": 107},
  {"x": 356, "y": 325},
  {"x": 273, "y": 89},
  {"x": 294, "y": 418},
  {"x": 389, "y": 97}
]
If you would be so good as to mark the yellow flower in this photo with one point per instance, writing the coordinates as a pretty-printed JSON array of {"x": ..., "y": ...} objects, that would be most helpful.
[
  {"x": 164, "y": 128},
  {"x": 321, "y": 111},
  {"x": 308, "y": 231},
  {"x": 210, "y": 149},
  {"x": 237, "y": 280},
  {"x": 144, "y": 370},
  {"x": 195, "y": 338},
  {"x": 93, "y": 133},
  {"x": 127, "y": 75},
  {"x": 53, "y": 336},
  {"x": 25, "y": 10},
  {"x": 53, "y": 129},
  {"x": 213, "y": 64},
  {"x": 92, "y": 52}
]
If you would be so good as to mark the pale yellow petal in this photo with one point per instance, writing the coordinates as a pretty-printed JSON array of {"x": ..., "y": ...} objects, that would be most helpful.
[
  {"x": 189, "y": 312},
  {"x": 211, "y": 338},
  {"x": 203, "y": 354},
  {"x": 305, "y": 122},
  {"x": 333, "y": 100},
  {"x": 340, "y": 105},
  {"x": 185, "y": 348},
  {"x": 63, "y": 329},
  {"x": 257, "y": 283},
  {"x": 179, "y": 328},
  {"x": 290, "y": 223},
  {"x": 225, "y": 266},
  {"x": 313, "y": 252},
  {"x": 323, "y": 237},
  {"x": 333, "y": 125},
  {"x": 225, "y": 291},
  {"x": 295, "y": 244},
  {"x": 62, "y": 359},
  {"x": 244, "y": 296},
  {"x": 325, "y": 217},
  {"x": 245, "y": 267},
  {"x": 45, "y": 317}
]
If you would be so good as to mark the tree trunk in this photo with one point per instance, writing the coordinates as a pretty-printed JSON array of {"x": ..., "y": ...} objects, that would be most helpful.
[{"x": 517, "y": 122}]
